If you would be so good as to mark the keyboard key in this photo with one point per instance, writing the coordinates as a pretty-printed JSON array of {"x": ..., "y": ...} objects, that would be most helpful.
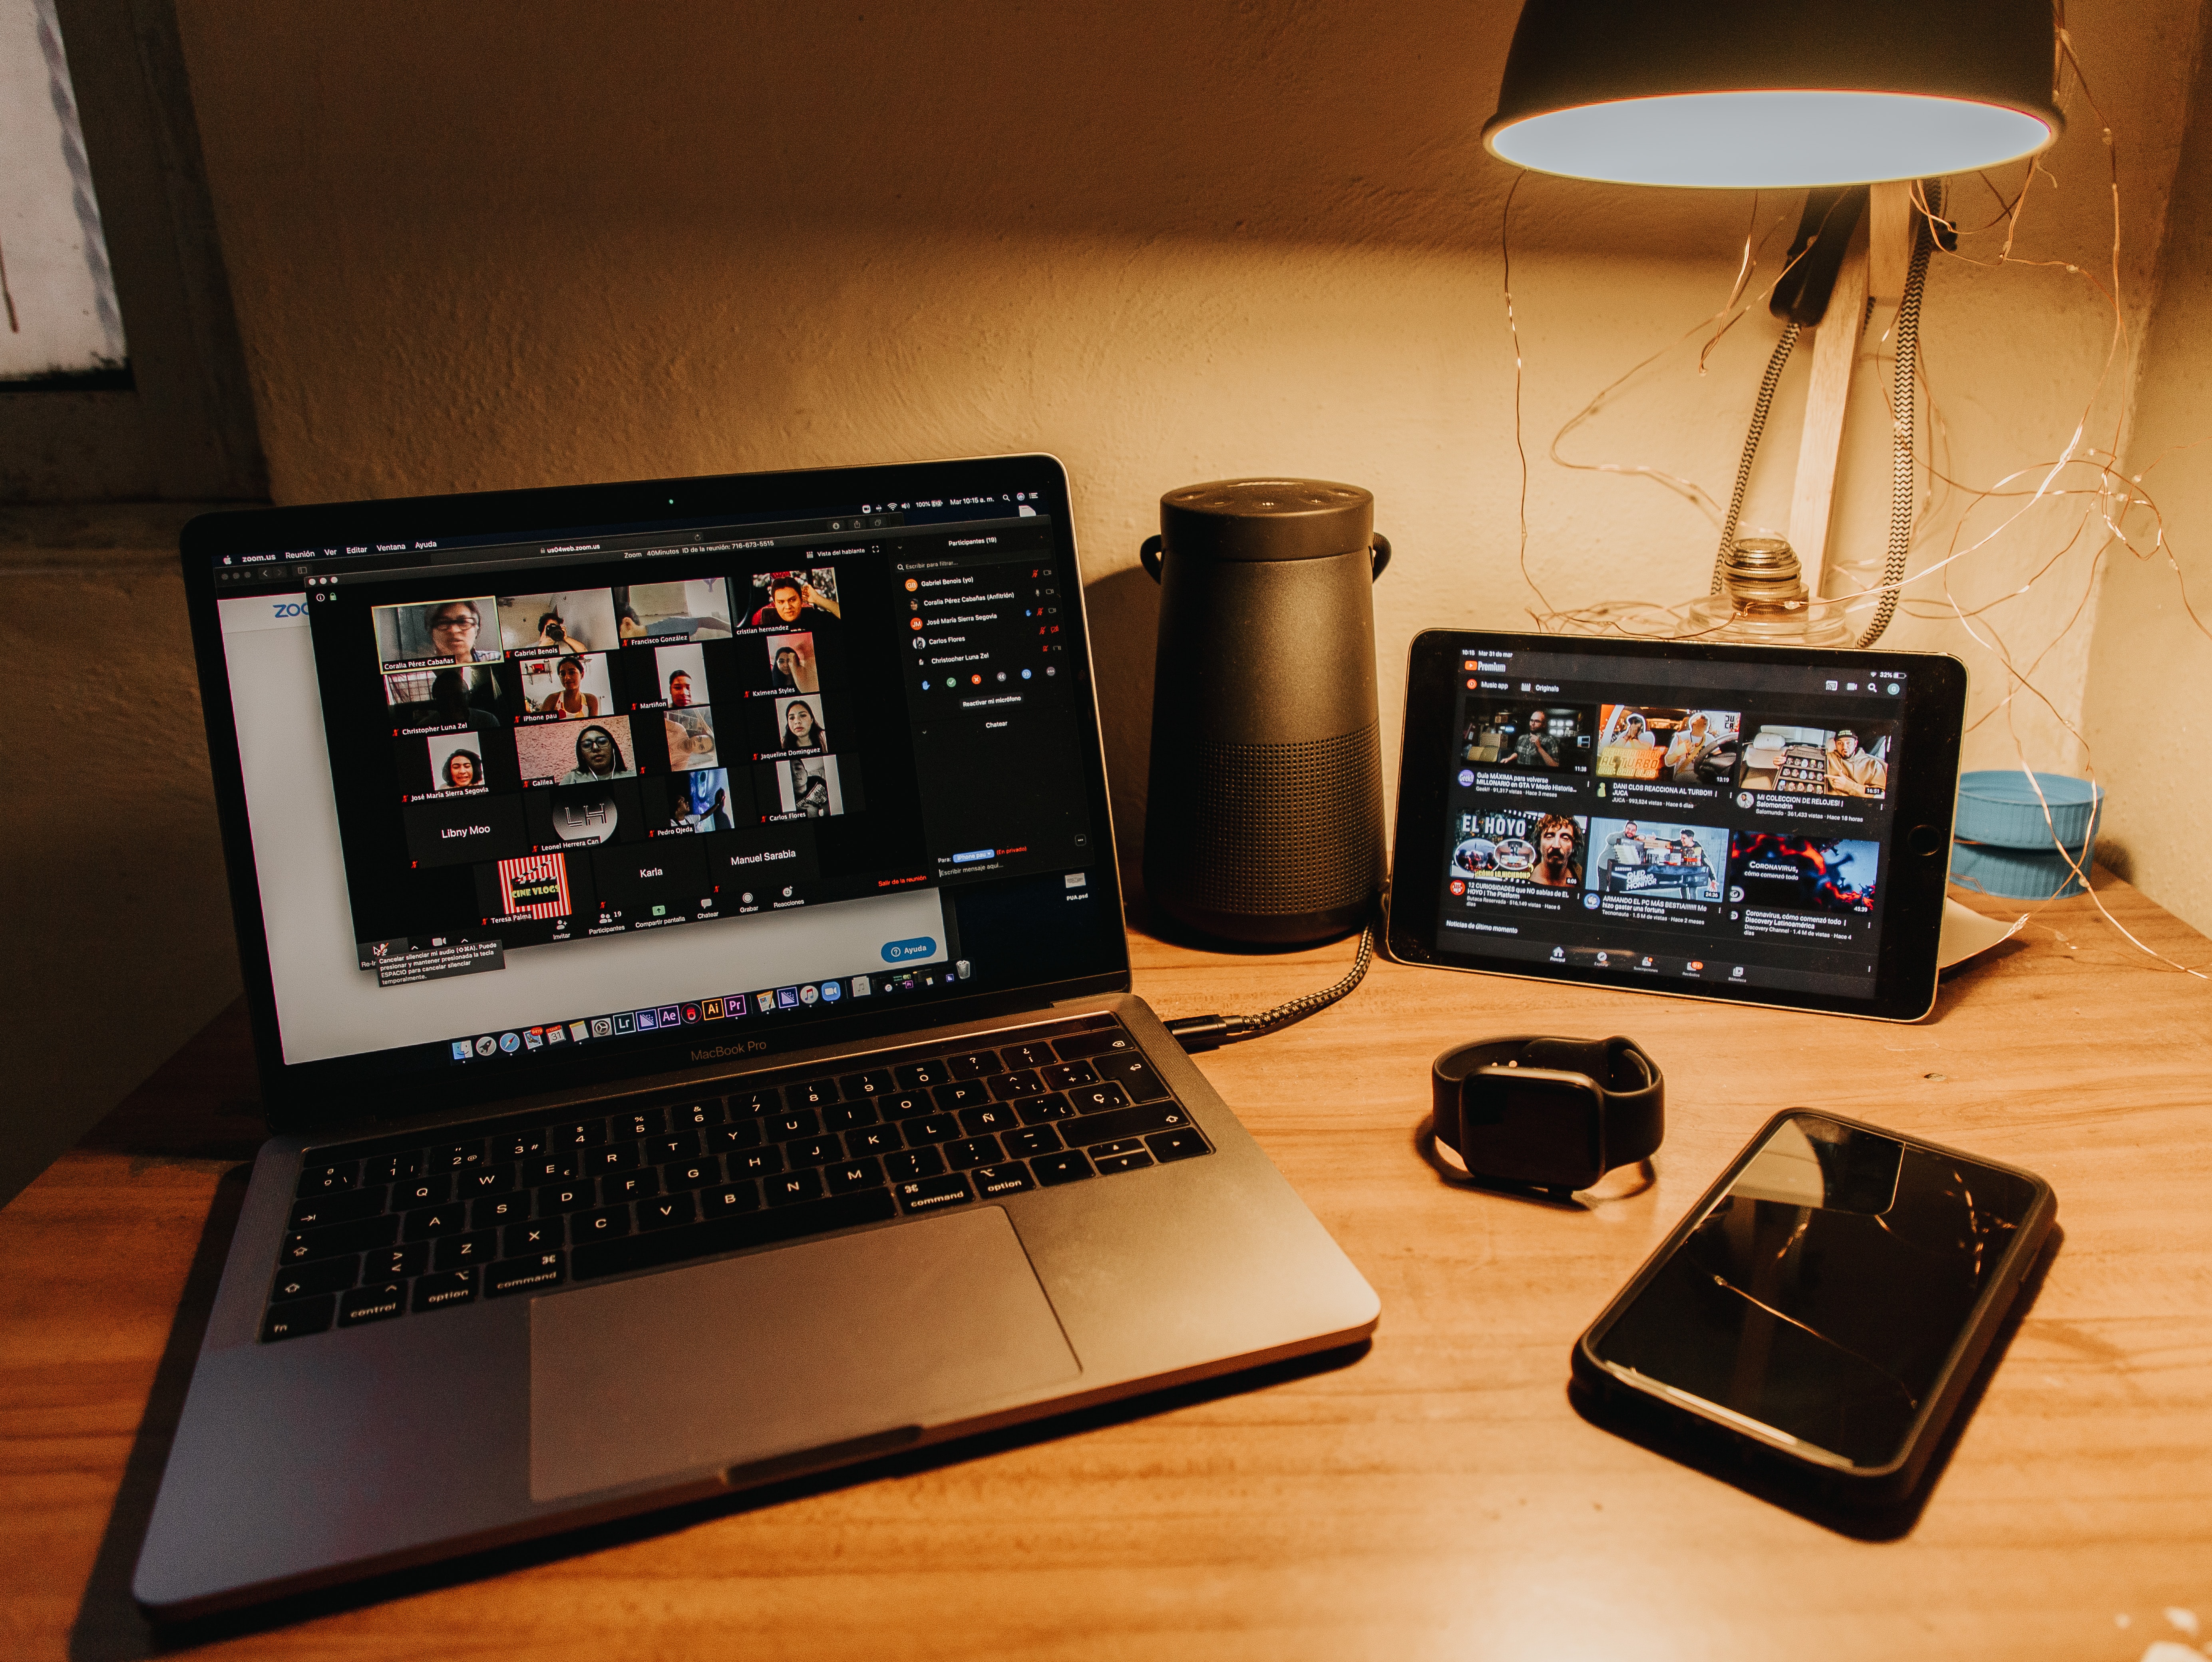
[
  {"x": 297, "y": 1318},
  {"x": 396, "y": 1263},
  {"x": 1094, "y": 1043},
  {"x": 697, "y": 1114},
  {"x": 1054, "y": 1169},
  {"x": 848, "y": 1175},
  {"x": 918, "y": 1163},
  {"x": 729, "y": 1200},
  {"x": 435, "y": 1221},
  {"x": 737, "y": 1134},
  {"x": 637, "y": 1124},
  {"x": 972, "y": 1151},
  {"x": 791, "y": 1127},
  {"x": 975, "y": 1064},
  {"x": 905, "y": 1105},
  {"x": 920, "y": 1075},
  {"x": 577, "y": 1134},
  {"x": 615, "y": 1157},
  {"x": 463, "y": 1252},
  {"x": 523, "y": 1274},
  {"x": 1120, "y": 1146},
  {"x": 336, "y": 1239},
  {"x": 341, "y": 1206},
  {"x": 933, "y": 1194},
  {"x": 1061, "y": 1076},
  {"x": 422, "y": 1191},
  {"x": 528, "y": 1239},
  {"x": 933, "y": 1128},
  {"x": 533, "y": 1174},
  {"x": 556, "y": 1199},
  {"x": 872, "y": 1140},
  {"x": 789, "y": 1188},
  {"x": 457, "y": 1157},
  {"x": 497, "y": 1211},
  {"x": 518, "y": 1145},
  {"x": 982, "y": 1122},
  {"x": 679, "y": 1145},
  {"x": 730, "y": 1234},
  {"x": 328, "y": 1275},
  {"x": 324, "y": 1180},
  {"x": 1145, "y": 1118},
  {"x": 1097, "y": 1099},
  {"x": 377, "y": 1303},
  {"x": 673, "y": 1210},
  {"x": 391, "y": 1167},
  {"x": 693, "y": 1174},
  {"x": 1042, "y": 1110},
  {"x": 991, "y": 1181},
  {"x": 968, "y": 1094},
  {"x": 1178, "y": 1145},
  {"x": 1024, "y": 1145},
  {"x": 863, "y": 1087},
  {"x": 814, "y": 1094},
  {"x": 438, "y": 1290},
  {"x": 620, "y": 1187},
  {"x": 813, "y": 1151},
  {"x": 846, "y": 1115},
  {"x": 753, "y": 1163},
  {"x": 485, "y": 1180},
  {"x": 1035, "y": 1054},
  {"x": 1122, "y": 1162},
  {"x": 1022, "y": 1082},
  {"x": 1134, "y": 1074},
  {"x": 756, "y": 1104},
  {"x": 599, "y": 1226}
]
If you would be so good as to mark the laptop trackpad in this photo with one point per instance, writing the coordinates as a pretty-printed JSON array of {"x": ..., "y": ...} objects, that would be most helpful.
[{"x": 754, "y": 1358}]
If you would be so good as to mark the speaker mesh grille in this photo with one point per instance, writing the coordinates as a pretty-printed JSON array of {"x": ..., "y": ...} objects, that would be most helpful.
[{"x": 1267, "y": 830}]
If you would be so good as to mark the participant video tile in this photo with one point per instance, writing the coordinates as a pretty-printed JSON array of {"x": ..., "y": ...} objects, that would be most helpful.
[
  {"x": 650, "y": 613},
  {"x": 427, "y": 635},
  {"x": 566, "y": 620},
  {"x": 575, "y": 752},
  {"x": 456, "y": 830}
]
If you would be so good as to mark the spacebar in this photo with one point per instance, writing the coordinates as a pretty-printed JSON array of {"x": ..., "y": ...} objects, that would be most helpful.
[{"x": 729, "y": 1234}]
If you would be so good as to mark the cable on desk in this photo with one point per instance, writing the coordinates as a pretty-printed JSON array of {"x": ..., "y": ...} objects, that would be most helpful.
[{"x": 1203, "y": 1033}]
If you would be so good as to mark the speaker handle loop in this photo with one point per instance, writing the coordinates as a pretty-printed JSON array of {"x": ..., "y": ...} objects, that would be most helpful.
[{"x": 1380, "y": 553}]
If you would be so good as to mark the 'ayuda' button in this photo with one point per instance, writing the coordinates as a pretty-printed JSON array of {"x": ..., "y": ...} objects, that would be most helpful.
[{"x": 900, "y": 952}]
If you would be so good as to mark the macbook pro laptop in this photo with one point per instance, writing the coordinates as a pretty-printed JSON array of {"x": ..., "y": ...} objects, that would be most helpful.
[{"x": 680, "y": 926}]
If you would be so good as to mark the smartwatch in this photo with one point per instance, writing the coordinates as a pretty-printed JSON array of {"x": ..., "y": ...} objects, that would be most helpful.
[{"x": 1549, "y": 1113}]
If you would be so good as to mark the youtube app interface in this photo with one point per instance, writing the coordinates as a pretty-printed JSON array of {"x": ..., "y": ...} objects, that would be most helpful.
[
  {"x": 1729, "y": 825},
  {"x": 822, "y": 762}
]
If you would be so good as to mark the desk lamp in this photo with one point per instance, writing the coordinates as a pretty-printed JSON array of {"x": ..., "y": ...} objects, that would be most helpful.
[{"x": 1854, "y": 100}]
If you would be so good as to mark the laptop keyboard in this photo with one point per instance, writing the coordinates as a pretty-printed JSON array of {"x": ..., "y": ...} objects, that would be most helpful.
[{"x": 521, "y": 1204}]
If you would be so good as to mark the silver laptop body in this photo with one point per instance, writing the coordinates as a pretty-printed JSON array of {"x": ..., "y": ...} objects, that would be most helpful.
[{"x": 681, "y": 1093}]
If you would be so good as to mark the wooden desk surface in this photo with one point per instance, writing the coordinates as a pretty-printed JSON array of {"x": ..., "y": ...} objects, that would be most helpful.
[{"x": 1436, "y": 1497}]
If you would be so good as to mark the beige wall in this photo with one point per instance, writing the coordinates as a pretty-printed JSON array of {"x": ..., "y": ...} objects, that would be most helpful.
[
  {"x": 505, "y": 245},
  {"x": 2149, "y": 708}
]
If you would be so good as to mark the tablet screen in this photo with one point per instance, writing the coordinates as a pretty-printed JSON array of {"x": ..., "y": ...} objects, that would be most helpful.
[{"x": 1726, "y": 820}]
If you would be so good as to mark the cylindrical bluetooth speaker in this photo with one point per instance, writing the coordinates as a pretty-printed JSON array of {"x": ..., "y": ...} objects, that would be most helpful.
[{"x": 1264, "y": 821}]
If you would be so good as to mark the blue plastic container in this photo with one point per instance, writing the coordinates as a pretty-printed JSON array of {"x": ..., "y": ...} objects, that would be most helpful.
[
  {"x": 2014, "y": 874},
  {"x": 1999, "y": 807}
]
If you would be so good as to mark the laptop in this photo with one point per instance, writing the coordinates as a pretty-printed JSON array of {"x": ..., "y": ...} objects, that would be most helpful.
[{"x": 680, "y": 926}]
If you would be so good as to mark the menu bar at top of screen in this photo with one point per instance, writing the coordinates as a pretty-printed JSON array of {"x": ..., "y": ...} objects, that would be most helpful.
[{"x": 1506, "y": 671}]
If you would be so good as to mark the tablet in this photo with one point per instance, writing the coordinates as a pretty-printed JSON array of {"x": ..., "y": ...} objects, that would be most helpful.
[{"x": 1766, "y": 825}]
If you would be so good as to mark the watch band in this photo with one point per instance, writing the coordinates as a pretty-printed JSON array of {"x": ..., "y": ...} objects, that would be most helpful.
[{"x": 1632, "y": 1095}]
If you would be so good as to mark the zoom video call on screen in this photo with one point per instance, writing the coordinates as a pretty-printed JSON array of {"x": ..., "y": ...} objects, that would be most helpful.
[
  {"x": 538, "y": 745},
  {"x": 1695, "y": 830}
]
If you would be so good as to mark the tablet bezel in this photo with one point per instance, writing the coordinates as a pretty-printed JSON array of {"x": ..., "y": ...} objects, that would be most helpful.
[{"x": 1915, "y": 853}]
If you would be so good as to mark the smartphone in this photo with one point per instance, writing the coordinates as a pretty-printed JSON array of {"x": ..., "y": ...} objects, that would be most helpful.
[{"x": 1824, "y": 1307}]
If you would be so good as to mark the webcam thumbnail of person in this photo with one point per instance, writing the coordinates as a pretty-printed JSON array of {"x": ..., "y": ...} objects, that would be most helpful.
[
  {"x": 1637, "y": 857},
  {"x": 651, "y": 612},
  {"x": 575, "y": 752},
  {"x": 1526, "y": 735},
  {"x": 679, "y": 675},
  {"x": 1821, "y": 761},
  {"x": 700, "y": 801},
  {"x": 791, "y": 600},
  {"x": 568, "y": 620},
  {"x": 457, "y": 762},
  {"x": 1546, "y": 850},
  {"x": 1809, "y": 874},
  {"x": 791, "y": 664},
  {"x": 425, "y": 634},
  {"x": 479, "y": 696},
  {"x": 807, "y": 786},
  {"x": 1662, "y": 742},
  {"x": 690, "y": 737},
  {"x": 800, "y": 724},
  {"x": 573, "y": 684}
]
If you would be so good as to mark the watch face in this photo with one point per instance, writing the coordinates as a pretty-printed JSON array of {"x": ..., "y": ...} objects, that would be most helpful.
[{"x": 1534, "y": 1125}]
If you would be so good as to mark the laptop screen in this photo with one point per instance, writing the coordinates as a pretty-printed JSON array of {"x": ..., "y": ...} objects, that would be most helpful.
[{"x": 662, "y": 793}]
